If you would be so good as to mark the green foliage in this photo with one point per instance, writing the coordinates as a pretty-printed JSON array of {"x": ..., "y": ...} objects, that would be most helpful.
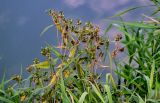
[{"x": 68, "y": 73}]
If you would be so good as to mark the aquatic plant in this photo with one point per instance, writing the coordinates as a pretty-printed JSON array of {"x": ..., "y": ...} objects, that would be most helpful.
[{"x": 69, "y": 72}]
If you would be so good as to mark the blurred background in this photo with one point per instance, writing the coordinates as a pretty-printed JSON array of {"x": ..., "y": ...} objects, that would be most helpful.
[{"x": 21, "y": 22}]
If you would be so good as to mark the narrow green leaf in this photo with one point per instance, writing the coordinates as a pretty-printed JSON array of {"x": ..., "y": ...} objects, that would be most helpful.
[
  {"x": 34, "y": 92},
  {"x": 108, "y": 93},
  {"x": 109, "y": 77},
  {"x": 152, "y": 101},
  {"x": 108, "y": 28},
  {"x": 157, "y": 90},
  {"x": 46, "y": 29},
  {"x": 3, "y": 81},
  {"x": 64, "y": 94},
  {"x": 2, "y": 99},
  {"x": 82, "y": 98},
  {"x": 128, "y": 10},
  {"x": 80, "y": 70},
  {"x": 140, "y": 99},
  {"x": 73, "y": 95},
  {"x": 136, "y": 24},
  {"x": 125, "y": 33},
  {"x": 152, "y": 74},
  {"x": 97, "y": 92},
  {"x": 56, "y": 52},
  {"x": 148, "y": 85}
]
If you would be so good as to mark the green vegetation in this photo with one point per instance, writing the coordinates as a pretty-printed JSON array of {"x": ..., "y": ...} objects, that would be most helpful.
[{"x": 69, "y": 72}]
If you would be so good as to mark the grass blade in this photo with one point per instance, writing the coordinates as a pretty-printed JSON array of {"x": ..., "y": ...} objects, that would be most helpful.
[
  {"x": 128, "y": 10},
  {"x": 109, "y": 77},
  {"x": 46, "y": 29},
  {"x": 64, "y": 94},
  {"x": 73, "y": 95},
  {"x": 2, "y": 99},
  {"x": 3, "y": 81},
  {"x": 140, "y": 99},
  {"x": 108, "y": 93},
  {"x": 98, "y": 92},
  {"x": 152, "y": 74},
  {"x": 82, "y": 98},
  {"x": 136, "y": 24},
  {"x": 56, "y": 52}
]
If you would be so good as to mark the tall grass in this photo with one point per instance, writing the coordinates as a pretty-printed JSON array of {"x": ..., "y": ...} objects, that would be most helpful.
[{"x": 69, "y": 72}]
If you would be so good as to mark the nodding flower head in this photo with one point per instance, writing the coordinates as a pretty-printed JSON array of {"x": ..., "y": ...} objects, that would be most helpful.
[
  {"x": 118, "y": 37},
  {"x": 17, "y": 78},
  {"x": 45, "y": 51}
]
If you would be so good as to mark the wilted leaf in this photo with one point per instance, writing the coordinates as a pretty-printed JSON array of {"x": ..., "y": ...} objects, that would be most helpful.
[
  {"x": 42, "y": 65},
  {"x": 72, "y": 51},
  {"x": 53, "y": 80},
  {"x": 66, "y": 73},
  {"x": 80, "y": 70}
]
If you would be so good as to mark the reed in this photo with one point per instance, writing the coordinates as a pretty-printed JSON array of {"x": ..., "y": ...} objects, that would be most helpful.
[{"x": 69, "y": 72}]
